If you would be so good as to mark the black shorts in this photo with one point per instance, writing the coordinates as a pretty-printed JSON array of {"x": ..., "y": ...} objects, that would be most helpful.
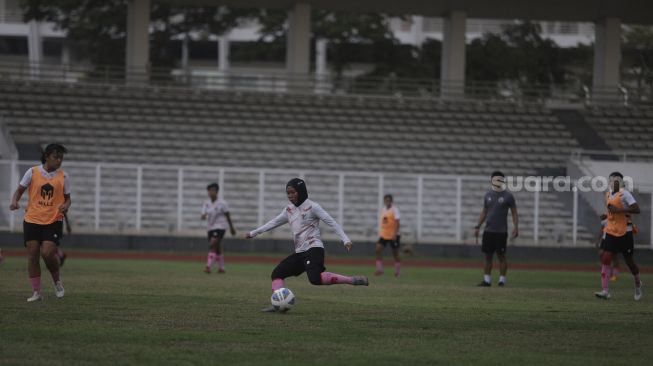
[
  {"x": 620, "y": 244},
  {"x": 602, "y": 244},
  {"x": 40, "y": 233},
  {"x": 494, "y": 242},
  {"x": 394, "y": 244},
  {"x": 217, "y": 233},
  {"x": 310, "y": 261}
]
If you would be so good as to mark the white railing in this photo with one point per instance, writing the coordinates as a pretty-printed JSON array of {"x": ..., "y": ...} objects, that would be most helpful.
[
  {"x": 620, "y": 155},
  {"x": 154, "y": 199},
  {"x": 283, "y": 82}
]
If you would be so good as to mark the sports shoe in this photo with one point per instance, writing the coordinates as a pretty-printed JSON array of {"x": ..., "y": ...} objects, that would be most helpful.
[
  {"x": 602, "y": 295},
  {"x": 360, "y": 281},
  {"x": 484, "y": 284},
  {"x": 62, "y": 260},
  {"x": 58, "y": 289},
  {"x": 501, "y": 284},
  {"x": 222, "y": 271},
  {"x": 207, "y": 270},
  {"x": 378, "y": 273},
  {"x": 638, "y": 292},
  {"x": 269, "y": 309},
  {"x": 272, "y": 309},
  {"x": 35, "y": 297}
]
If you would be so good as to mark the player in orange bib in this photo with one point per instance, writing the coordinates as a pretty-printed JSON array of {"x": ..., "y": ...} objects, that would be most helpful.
[
  {"x": 48, "y": 189},
  {"x": 618, "y": 236},
  {"x": 388, "y": 235}
]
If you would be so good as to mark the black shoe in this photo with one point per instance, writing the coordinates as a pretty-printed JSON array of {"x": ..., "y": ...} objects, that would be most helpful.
[
  {"x": 484, "y": 284},
  {"x": 501, "y": 284},
  {"x": 62, "y": 260}
]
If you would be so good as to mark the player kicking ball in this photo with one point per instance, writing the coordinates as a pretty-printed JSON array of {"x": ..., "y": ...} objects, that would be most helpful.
[{"x": 304, "y": 217}]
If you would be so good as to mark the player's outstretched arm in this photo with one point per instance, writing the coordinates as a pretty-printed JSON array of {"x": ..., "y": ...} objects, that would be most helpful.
[
  {"x": 324, "y": 216},
  {"x": 274, "y": 223}
]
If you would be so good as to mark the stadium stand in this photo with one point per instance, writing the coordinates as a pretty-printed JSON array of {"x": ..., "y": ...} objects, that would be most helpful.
[
  {"x": 632, "y": 125},
  {"x": 297, "y": 132}
]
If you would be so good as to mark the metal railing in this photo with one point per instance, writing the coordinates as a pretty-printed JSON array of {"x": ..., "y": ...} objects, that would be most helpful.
[
  {"x": 12, "y": 17},
  {"x": 155, "y": 199},
  {"x": 612, "y": 155},
  {"x": 7, "y": 146},
  {"x": 282, "y": 82}
]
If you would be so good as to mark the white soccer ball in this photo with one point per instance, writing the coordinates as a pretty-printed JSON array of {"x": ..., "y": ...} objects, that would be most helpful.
[{"x": 283, "y": 299}]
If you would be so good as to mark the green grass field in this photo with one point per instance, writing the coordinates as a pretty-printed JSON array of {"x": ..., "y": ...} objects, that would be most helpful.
[{"x": 148, "y": 312}]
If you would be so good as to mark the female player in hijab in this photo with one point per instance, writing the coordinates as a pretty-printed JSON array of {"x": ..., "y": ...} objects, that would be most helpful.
[{"x": 304, "y": 217}]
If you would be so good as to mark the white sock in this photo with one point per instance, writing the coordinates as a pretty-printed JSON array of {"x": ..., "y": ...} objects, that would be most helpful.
[
  {"x": 487, "y": 278},
  {"x": 502, "y": 279}
]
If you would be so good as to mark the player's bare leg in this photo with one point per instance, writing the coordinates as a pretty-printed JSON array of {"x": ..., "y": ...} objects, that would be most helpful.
[
  {"x": 634, "y": 269},
  {"x": 395, "y": 253},
  {"x": 503, "y": 268},
  {"x": 219, "y": 250},
  {"x": 487, "y": 271},
  {"x": 614, "y": 273},
  {"x": 49, "y": 255},
  {"x": 379, "y": 259},
  {"x": 34, "y": 269},
  {"x": 212, "y": 256}
]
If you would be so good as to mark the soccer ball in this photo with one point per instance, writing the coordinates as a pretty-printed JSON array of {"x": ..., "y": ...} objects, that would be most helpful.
[{"x": 283, "y": 299}]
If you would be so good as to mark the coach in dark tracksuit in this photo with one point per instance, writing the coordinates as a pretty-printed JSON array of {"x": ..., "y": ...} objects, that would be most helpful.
[{"x": 496, "y": 203}]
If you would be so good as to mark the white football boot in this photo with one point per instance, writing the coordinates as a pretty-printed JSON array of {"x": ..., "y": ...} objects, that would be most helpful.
[
  {"x": 58, "y": 289},
  {"x": 35, "y": 297},
  {"x": 602, "y": 294}
]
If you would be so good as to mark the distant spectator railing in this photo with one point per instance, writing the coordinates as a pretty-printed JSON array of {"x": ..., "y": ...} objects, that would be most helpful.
[
  {"x": 7, "y": 146},
  {"x": 156, "y": 199},
  {"x": 12, "y": 17},
  {"x": 282, "y": 82},
  {"x": 613, "y": 155}
]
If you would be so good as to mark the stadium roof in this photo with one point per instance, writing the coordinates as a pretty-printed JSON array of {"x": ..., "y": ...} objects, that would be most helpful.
[{"x": 630, "y": 11}]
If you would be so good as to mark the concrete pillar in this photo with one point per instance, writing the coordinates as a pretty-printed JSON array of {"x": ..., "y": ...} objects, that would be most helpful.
[
  {"x": 223, "y": 53},
  {"x": 321, "y": 57},
  {"x": 65, "y": 54},
  {"x": 298, "y": 54},
  {"x": 185, "y": 51},
  {"x": 452, "y": 71},
  {"x": 34, "y": 48},
  {"x": 138, "y": 37},
  {"x": 2, "y": 9},
  {"x": 35, "y": 43},
  {"x": 607, "y": 56},
  {"x": 418, "y": 30},
  {"x": 322, "y": 84}
]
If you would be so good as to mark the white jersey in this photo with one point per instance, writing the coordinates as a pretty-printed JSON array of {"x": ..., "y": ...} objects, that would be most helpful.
[
  {"x": 27, "y": 178},
  {"x": 216, "y": 218},
  {"x": 305, "y": 225}
]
